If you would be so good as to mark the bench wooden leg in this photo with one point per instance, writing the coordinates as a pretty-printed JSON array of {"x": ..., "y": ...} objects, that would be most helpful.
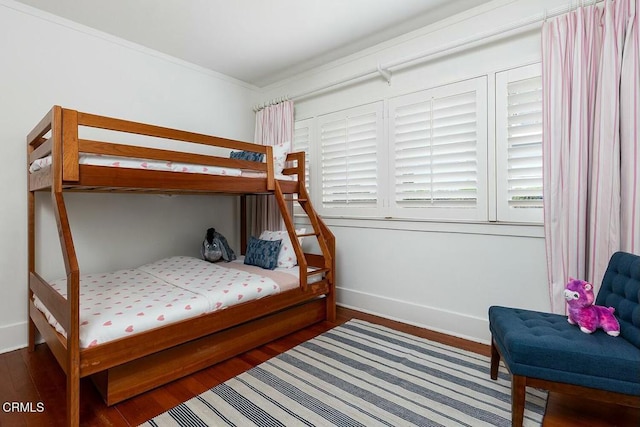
[
  {"x": 495, "y": 360},
  {"x": 518, "y": 392}
]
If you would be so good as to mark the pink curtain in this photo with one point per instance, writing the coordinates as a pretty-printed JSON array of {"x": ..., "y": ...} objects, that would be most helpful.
[
  {"x": 274, "y": 126},
  {"x": 630, "y": 134},
  {"x": 590, "y": 141}
]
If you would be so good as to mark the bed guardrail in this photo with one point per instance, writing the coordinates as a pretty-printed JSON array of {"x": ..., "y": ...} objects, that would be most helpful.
[{"x": 64, "y": 124}]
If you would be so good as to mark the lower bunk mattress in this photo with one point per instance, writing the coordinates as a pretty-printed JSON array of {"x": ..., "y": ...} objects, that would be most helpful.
[{"x": 116, "y": 304}]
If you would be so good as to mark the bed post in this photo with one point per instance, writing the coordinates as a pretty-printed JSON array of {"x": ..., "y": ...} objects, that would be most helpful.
[
  {"x": 270, "y": 168},
  {"x": 31, "y": 203},
  {"x": 70, "y": 155},
  {"x": 31, "y": 266},
  {"x": 331, "y": 296},
  {"x": 65, "y": 125},
  {"x": 35, "y": 140},
  {"x": 243, "y": 224}
]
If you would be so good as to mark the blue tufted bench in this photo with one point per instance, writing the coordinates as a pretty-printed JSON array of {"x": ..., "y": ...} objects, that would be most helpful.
[{"x": 543, "y": 350}]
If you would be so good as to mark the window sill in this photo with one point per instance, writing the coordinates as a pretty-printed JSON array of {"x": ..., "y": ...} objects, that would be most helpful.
[{"x": 461, "y": 227}]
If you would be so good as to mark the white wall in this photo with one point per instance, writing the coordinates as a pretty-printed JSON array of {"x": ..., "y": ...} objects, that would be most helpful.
[
  {"x": 45, "y": 61},
  {"x": 442, "y": 276}
]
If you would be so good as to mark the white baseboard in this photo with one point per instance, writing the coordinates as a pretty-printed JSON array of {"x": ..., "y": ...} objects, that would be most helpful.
[
  {"x": 447, "y": 322},
  {"x": 13, "y": 337}
]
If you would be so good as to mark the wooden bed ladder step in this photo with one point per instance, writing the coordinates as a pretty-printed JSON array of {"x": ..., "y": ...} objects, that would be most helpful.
[
  {"x": 306, "y": 234},
  {"x": 317, "y": 271},
  {"x": 327, "y": 259},
  {"x": 294, "y": 199}
]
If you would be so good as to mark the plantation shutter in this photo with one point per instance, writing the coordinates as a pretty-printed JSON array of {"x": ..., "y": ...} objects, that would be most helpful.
[
  {"x": 519, "y": 134},
  {"x": 438, "y": 145},
  {"x": 302, "y": 142},
  {"x": 349, "y": 157}
]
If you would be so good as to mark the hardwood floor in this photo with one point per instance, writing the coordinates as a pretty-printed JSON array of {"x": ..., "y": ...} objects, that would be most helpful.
[{"x": 36, "y": 379}]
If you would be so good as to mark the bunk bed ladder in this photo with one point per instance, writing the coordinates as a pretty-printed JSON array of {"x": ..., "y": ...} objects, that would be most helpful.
[{"x": 312, "y": 264}]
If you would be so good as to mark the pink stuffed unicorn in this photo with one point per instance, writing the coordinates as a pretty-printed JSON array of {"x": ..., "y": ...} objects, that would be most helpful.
[{"x": 579, "y": 296}]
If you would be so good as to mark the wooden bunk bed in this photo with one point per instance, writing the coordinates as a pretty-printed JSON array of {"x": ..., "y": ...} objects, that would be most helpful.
[{"x": 129, "y": 366}]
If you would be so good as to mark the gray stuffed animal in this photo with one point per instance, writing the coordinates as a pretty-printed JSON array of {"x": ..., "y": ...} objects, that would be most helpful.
[{"x": 215, "y": 246}]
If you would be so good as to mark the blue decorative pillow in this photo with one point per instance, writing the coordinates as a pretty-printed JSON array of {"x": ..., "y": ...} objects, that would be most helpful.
[
  {"x": 247, "y": 155},
  {"x": 262, "y": 253}
]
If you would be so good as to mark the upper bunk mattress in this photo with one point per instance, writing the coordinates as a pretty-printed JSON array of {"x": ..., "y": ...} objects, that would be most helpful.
[
  {"x": 157, "y": 165},
  {"x": 117, "y": 304}
]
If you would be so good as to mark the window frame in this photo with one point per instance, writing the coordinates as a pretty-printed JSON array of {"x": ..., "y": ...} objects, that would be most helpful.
[
  {"x": 479, "y": 212},
  {"x": 376, "y": 108},
  {"x": 505, "y": 212}
]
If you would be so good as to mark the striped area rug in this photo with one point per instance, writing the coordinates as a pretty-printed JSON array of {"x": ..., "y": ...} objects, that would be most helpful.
[{"x": 361, "y": 374}]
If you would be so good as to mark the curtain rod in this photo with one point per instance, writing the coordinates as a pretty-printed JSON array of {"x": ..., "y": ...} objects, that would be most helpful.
[
  {"x": 386, "y": 70},
  {"x": 274, "y": 101}
]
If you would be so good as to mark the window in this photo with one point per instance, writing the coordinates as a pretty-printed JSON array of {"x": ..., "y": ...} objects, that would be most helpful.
[
  {"x": 519, "y": 144},
  {"x": 437, "y": 149},
  {"x": 350, "y": 143},
  {"x": 425, "y": 155}
]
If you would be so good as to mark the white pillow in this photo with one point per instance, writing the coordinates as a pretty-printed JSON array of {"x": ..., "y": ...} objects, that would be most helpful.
[
  {"x": 287, "y": 256},
  {"x": 280, "y": 157}
]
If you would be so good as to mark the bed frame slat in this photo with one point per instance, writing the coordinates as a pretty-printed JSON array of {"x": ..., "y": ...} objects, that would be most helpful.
[
  {"x": 34, "y": 138},
  {"x": 119, "y": 125},
  {"x": 55, "y": 303},
  {"x": 103, "y": 176},
  {"x": 43, "y": 150},
  {"x": 40, "y": 180}
]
